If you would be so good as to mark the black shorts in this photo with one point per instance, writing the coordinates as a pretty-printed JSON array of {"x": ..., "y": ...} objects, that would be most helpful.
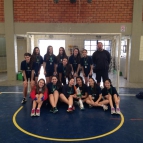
[
  {"x": 77, "y": 73},
  {"x": 101, "y": 74},
  {"x": 48, "y": 74},
  {"x": 87, "y": 73}
]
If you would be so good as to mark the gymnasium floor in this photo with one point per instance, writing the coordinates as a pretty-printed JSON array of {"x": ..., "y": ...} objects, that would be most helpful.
[{"x": 88, "y": 126}]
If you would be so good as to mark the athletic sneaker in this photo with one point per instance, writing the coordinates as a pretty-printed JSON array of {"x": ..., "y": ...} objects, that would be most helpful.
[
  {"x": 37, "y": 112},
  {"x": 70, "y": 109},
  {"x": 55, "y": 110},
  {"x": 90, "y": 106},
  {"x": 23, "y": 100},
  {"x": 76, "y": 103},
  {"x": 105, "y": 107},
  {"x": 73, "y": 107},
  {"x": 51, "y": 110},
  {"x": 113, "y": 111},
  {"x": 118, "y": 111},
  {"x": 33, "y": 112}
]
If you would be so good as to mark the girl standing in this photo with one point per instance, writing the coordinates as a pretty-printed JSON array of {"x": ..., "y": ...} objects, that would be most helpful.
[
  {"x": 60, "y": 57},
  {"x": 110, "y": 93},
  {"x": 38, "y": 95},
  {"x": 27, "y": 70},
  {"x": 87, "y": 67},
  {"x": 74, "y": 61},
  {"x": 37, "y": 61},
  {"x": 95, "y": 95},
  {"x": 65, "y": 71},
  {"x": 49, "y": 64},
  {"x": 54, "y": 88}
]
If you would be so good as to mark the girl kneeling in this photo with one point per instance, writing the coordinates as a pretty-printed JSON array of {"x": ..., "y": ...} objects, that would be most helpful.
[
  {"x": 95, "y": 95},
  {"x": 38, "y": 95}
]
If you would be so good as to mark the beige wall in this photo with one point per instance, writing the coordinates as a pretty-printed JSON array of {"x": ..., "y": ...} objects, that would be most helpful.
[
  {"x": 22, "y": 28},
  {"x": 21, "y": 49},
  {"x": 134, "y": 29}
]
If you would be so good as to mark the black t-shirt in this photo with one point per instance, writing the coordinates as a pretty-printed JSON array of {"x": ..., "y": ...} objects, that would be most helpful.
[
  {"x": 86, "y": 62},
  {"x": 83, "y": 89},
  {"x": 60, "y": 60},
  {"x": 67, "y": 91},
  {"x": 94, "y": 92},
  {"x": 111, "y": 91},
  {"x": 52, "y": 88},
  {"x": 26, "y": 67},
  {"x": 62, "y": 70},
  {"x": 50, "y": 62},
  {"x": 37, "y": 64},
  {"x": 74, "y": 62},
  {"x": 101, "y": 59}
]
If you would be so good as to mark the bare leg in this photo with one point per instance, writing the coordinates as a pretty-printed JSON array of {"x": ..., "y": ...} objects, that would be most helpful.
[
  {"x": 64, "y": 99},
  {"x": 89, "y": 100},
  {"x": 117, "y": 100},
  {"x": 36, "y": 80},
  {"x": 104, "y": 102},
  {"x": 47, "y": 80},
  {"x": 56, "y": 97},
  {"x": 34, "y": 104},
  {"x": 70, "y": 100},
  {"x": 86, "y": 80},
  {"x": 25, "y": 84},
  {"x": 51, "y": 99}
]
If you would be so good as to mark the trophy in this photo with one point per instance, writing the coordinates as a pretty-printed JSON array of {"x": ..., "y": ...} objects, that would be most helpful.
[{"x": 78, "y": 92}]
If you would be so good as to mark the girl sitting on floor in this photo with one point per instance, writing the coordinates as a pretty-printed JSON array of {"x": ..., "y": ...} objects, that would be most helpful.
[
  {"x": 82, "y": 91},
  {"x": 54, "y": 88},
  {"x": 38, "y": 95},
  {"x": 95, "y": 96},
  {"x": 110, "y": 93},
  {"x": 68, "y": 93}
]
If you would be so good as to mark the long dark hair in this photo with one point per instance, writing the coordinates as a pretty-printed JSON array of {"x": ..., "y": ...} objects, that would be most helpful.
[
  {"x": 68, "y": 69},
  {"x": 64, "y": 54},
  {"x": 58, "y": 84},
  {"x": 80, "y": 79},
  {"x": 38, "y": 91},
  {"x": 78, "y": 55},
  {"x": 48, "y": 54},
  {"x": 95, "y": 84},
  {"x": 33, "y": 57},
  {"x": 109, "y": 80}
]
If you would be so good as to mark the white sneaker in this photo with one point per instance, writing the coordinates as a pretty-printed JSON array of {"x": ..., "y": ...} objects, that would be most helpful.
[{"x": 105, "y": 107}]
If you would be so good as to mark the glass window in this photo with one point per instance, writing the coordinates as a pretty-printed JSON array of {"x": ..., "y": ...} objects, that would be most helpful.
[
  {"x": 94, "y": 48},
  {"x": 91, "y": 45},
  {"x": 93, "y": 42},
  {"x": 86, "y": 42},
  {"x": 87, "y": 47}
]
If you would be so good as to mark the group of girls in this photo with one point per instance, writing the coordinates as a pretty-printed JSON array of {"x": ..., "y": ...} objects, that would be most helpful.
[{"x": 57, "y": 70}]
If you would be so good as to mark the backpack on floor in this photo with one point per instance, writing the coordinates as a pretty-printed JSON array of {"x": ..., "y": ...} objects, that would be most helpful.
[{"x": 139, "y": 95}]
